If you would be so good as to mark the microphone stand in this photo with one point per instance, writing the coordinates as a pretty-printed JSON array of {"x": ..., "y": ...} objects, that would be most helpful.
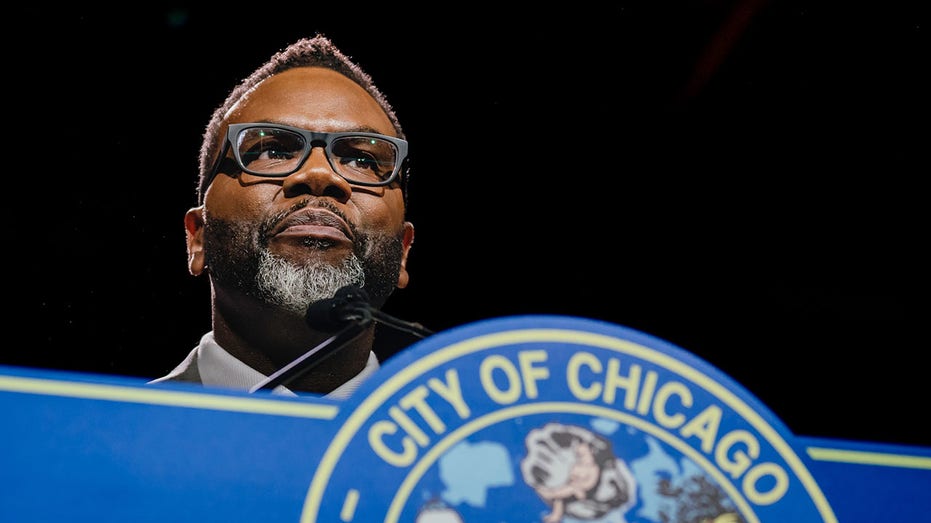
[
  {"x": 302, "y": 364},
  {"x": 405, "y": 326},
  {"x": 349, "y": 306}
]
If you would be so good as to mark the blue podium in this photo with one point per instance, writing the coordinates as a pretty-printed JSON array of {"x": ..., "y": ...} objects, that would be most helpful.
[{"x": 517, "y": 419}]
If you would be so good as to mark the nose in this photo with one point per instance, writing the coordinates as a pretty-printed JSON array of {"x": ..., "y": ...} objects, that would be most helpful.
[{"x": 316, "y": 177}]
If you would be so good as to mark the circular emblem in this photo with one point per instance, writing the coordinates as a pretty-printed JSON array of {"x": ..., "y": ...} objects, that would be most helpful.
[{"x": 552, "y": 419}]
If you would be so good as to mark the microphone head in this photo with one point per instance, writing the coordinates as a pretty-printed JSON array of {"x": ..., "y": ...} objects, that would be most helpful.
[
  {"x": 332, "y": 314},
  {"x": 352, "y": 294}
]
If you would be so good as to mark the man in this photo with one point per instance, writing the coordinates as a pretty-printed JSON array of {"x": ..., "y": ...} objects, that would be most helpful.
[{"x": 302, "y": 173}]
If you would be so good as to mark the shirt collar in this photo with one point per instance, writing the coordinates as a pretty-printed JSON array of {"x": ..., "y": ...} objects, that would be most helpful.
[{"x": 220, "y": 368}]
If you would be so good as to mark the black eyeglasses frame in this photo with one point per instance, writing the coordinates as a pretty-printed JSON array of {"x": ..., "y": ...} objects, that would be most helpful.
[{"x": 312, "y": 139}]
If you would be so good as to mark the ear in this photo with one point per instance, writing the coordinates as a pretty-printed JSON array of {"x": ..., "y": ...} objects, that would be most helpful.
[
  {"x": 407, "y": 241},
  {"x": 194, "y": 228}
]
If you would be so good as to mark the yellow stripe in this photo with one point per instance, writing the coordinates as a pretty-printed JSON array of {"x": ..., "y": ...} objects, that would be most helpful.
[
  {"x": 869, "y": 458},
  {"x": 165, "y": 397}
]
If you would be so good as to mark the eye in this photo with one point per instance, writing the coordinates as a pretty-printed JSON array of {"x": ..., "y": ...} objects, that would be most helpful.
[
  {"x": 273, "y": 152},
  {"x": 360, "y": 161},
  {"x": 361, "y": 156},
  {"x": 270, "y": 151}
]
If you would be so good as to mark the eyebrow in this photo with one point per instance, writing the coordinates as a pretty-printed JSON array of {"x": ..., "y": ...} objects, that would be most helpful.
[{"x": 362, "y": 129}]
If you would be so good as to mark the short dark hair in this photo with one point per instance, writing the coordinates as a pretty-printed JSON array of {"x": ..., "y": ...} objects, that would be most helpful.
[{"x": 318, "y": 51}]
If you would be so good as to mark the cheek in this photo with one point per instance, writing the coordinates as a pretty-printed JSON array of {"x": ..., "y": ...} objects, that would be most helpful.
[
  {"x": 382, "y": 214},
  {"x": 227, "y": 198}
]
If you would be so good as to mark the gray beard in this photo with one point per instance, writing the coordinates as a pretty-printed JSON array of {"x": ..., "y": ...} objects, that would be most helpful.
[
  {"x": 238, "y": 257},
  {"x": 292, "y": 288}
]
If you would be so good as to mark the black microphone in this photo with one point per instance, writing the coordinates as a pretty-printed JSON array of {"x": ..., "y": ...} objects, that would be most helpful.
[
  {"x": 348, "y": 313},
  {"x": 351, "y": 303}
]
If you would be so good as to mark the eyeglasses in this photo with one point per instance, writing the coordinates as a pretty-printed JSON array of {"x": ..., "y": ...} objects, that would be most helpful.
[{"x": 276, "y": 151}]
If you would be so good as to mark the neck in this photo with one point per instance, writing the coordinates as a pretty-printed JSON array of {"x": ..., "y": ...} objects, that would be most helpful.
[{"x": 268, "y": 339}]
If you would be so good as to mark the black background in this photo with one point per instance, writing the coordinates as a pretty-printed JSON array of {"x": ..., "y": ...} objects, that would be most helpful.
[{"x": 744, "y": 179}]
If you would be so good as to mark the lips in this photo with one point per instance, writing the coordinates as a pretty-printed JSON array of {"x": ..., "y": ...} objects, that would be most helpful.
[{"x": 314, "y": 222}]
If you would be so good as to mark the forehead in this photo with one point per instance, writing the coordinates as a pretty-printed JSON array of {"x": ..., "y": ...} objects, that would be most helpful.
[{"x": 313, "y": 98}]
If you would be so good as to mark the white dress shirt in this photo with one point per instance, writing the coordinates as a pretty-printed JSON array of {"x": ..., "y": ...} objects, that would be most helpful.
[{"x": 218, "y": 368}]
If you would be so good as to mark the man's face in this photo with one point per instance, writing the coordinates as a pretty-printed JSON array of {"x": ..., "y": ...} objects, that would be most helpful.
[{"x": 289, "y": 241}]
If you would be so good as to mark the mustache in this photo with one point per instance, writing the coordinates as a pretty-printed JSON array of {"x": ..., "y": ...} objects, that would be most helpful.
[{"x": 269, "y": 224}]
